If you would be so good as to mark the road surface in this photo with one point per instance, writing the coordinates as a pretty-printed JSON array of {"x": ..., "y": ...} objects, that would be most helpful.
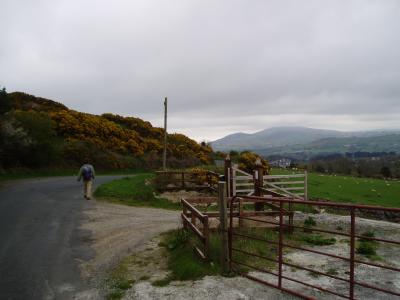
[{"x": 41, "y": 244}]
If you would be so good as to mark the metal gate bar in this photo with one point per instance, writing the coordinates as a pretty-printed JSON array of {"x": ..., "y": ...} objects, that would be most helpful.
[{"x": 351, "y": 208}]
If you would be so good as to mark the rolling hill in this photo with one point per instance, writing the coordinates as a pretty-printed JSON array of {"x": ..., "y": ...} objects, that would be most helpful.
[{"x": 305, "y": 142}]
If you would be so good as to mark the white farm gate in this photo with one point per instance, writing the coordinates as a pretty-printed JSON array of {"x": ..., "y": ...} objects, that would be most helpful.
[
  {"x": 294, "y": 185},
  {"x": 241, "y": 183}
]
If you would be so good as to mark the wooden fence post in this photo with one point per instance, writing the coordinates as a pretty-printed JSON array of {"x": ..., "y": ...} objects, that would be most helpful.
[
  {"x": 206, "y": 233},
  {"x": 184, "y": 213},
  {"x": 228, "y": 174},
  {"x": 223, "y": 225},
  {"x": 259, "y": 183}
]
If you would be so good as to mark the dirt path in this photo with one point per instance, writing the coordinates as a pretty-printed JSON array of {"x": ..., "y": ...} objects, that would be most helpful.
[{"x": 118, "y": 231}]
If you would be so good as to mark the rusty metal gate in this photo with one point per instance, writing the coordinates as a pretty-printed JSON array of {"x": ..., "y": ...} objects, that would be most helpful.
[{"x": 247, "y": 259}]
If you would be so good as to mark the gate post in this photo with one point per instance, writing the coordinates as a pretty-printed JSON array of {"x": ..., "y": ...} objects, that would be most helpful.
[
  {"x": 258, "y": 184},
  {"x": 223, "y": 225},
  {"x": 228, "y": 175}
]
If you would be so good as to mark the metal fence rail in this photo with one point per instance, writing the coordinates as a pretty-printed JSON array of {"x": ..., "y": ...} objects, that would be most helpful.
[{"x": 351, "y": 259}]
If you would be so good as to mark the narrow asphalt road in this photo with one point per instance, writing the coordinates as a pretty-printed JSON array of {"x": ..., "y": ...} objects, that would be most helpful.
[{"x": 41, "y": 244}]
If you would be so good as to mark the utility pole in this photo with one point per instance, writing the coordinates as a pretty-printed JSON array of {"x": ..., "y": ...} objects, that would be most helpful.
[{"x": 165, "y": 135}]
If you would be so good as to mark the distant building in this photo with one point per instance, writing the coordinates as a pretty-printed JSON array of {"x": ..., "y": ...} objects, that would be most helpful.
[{"x": 281, "y": 163}]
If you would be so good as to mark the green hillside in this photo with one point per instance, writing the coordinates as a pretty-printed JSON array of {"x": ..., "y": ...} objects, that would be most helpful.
[{"x": 39, "y": 133}]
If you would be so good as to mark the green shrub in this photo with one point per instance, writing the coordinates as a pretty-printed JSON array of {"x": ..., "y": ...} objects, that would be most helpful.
[
  {"x": 332, "y": 271},
  {"x": 367, "y": 234},
  {"x": 179, "y": 239},
  {"x": 319, "y": 240},
  {"x": 366, "y": 248},
  {"x": 309, "y": 222},
  {"x": 29, "y": 139}
]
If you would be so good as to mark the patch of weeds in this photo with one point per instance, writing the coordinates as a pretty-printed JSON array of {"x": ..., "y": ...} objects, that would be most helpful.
[
  {"x": 256, "y": 246},
  {"x": 179, "y": 238},
  {"x": 144, "y": 277},
  {"x": 368, "y": 247},
  {"x": 115, "y": 295},
  {"x": 367, "y": 234},
  {"x": 183, "y": 263},
  {"x": 142, "y": 263},
  {"x": 339, "y": 228},
  {"x": 309, "y": 222},
  {"x": 314, "y": 275},
  {"x": 318, "y": 240},
  {"x": 118, "y": 282},
  {"x": 332, "y": 271},
  {"x": 162, "y": 282}
]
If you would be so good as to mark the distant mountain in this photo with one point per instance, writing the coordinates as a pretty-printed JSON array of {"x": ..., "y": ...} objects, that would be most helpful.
[
  {"x": 273, "y": 137},
  {"x": 279, "y": 140}
]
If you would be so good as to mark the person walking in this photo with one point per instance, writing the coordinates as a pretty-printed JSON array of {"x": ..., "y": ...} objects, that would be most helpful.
[{"x": 86, "y": 173}]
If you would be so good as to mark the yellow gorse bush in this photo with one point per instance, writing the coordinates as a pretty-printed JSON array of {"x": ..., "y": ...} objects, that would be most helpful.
[{"x": 113, "y": 137}]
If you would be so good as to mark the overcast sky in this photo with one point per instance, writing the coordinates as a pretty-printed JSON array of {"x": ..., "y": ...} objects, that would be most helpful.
[{"x": 226, "y": 66}]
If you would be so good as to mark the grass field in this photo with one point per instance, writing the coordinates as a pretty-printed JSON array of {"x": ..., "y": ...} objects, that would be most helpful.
[
  {"x": 352, "y": 189},
  {"x": 133, "y": 191},
  {"x": 137, "y": 190}
]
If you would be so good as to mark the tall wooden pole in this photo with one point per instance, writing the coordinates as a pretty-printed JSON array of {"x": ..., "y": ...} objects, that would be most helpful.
[{"x": 165, "y": 135}]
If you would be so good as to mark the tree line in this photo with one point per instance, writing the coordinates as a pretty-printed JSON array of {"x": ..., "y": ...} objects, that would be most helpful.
[{"x": 384, "y": 165}]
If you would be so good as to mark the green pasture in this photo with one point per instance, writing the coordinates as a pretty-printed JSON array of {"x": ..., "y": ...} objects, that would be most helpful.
[{"x": 352, "y": 189}]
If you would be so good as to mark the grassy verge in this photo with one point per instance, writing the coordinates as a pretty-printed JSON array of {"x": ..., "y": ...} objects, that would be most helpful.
[
  {"x": 135, "y": 190},
  {"x": 118, "y": 280},
  {"x": 183, "y": 263}
]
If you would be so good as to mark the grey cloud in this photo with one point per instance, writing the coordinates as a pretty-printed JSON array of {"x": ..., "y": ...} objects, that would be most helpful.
[{"x": 328, "y": 64}]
